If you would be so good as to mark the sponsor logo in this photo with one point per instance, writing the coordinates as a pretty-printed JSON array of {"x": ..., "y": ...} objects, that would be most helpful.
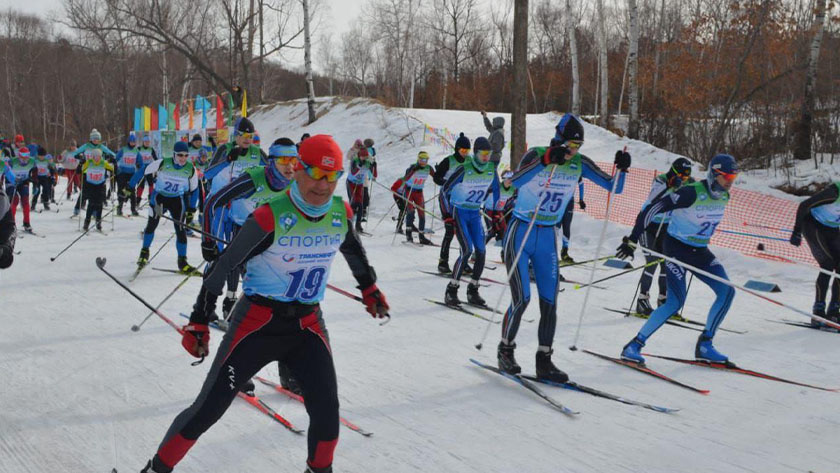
[
  {"x": 327, "y": 161},
  {"x": 288, "y": 258},
  {"x": 286, "y": 221}
]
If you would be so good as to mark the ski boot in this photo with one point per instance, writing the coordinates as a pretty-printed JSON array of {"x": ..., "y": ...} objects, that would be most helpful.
[
  {"x": 312, "y": 469},
  {"x": 633, "y": 351},
  {"x": 833, "y": 312},
  {"x": 134, "y": 213},
  {"x": 227, "y": 305},
  {"x": 143, "y": 260},
  {"x": 119, "y": 211},
  {"x": 28, "y": 228},
  {"x": 400, "y": 229},
  {"x": 408, "y": 236},
  {"x": 443, "y": 267},
  {"x": 472, "y": 295},
  {"x": 248, "y": 388},
  {"x": 46, "y": 206},
  {"x": 155, "y": 467},
  {"x": 99, "y": 226},
  {"x": 451, "y": 296},
  {"x": 423, "y": 240},
  {"x": 705, "y": 351},
  {"x": 819, "y": 311},
  {"x": 565, "y": 259},
  {"x": 547, "y": 370},
  {"x": 86, "y": 225},
  {"x": 643, "y": 305},
  {"x": 186, "y": 268},
  {"x": 507, "y": 362}
]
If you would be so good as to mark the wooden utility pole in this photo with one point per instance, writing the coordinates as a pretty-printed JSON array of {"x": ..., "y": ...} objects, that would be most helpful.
[{"x": 519, "y": 90}]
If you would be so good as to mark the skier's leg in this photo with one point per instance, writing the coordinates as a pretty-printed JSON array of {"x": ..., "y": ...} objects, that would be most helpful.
[{"x": 520, "y": 283}]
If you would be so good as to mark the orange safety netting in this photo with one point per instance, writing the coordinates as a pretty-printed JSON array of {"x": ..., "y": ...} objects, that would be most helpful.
[{"x": 751, "y": 217}]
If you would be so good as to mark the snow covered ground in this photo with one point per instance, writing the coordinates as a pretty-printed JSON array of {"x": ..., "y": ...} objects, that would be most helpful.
[{"x": 83, "y": 393}]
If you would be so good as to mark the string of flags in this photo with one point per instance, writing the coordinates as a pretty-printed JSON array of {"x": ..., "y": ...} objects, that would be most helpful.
[{"x": 168, "y": 116}]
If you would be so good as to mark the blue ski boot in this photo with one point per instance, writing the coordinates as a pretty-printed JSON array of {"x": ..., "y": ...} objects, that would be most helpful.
[
  {"x": 705, "y": 351},
  {"x": 819, "y": 311},
  {"x": 633, "y": 351}
]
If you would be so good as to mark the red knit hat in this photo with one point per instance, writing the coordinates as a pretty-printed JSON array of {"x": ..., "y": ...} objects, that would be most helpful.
[
  {"x": 321, "y": 151},
  {"x": 18, "y": 138},
  {"x": 23, "y": 152}
]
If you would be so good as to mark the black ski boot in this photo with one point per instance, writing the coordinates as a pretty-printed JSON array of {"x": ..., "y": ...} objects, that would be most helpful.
[
  {"x": 155, "y": 467},
  {"x": 443, "y": 267},
  {"x": 86, "y": 225},
  {"x": 451, "y": 296},
  {"x": 547, "y": 370},
  {"x": 565, "y": 259},
  {"x": 99, "y": 225},
  {"x": 507, "y": 362},
  {"x": 311, "y": 469},
  {"x": 423, "y": 240},
  {"x": 472, "y": 295},
  {"x": 119, "y": 211},
  {"x": 143, "y": 260},
  {"x": 408, "y": 236},
  {"x": 643, "y": 305},
  {"x": 186, "y": 268},
  {"x": 248, "y": 388},
  {"x": 288, "y": 381}
]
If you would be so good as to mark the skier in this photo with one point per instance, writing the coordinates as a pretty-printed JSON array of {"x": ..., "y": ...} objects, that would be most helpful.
[
  {"x": 200, "y": 158},
  {"x": 565, "y": 223},
  {"x": 288, "y": 246},
  {"x": 368, "y": 143},
  {"x": 95, "y": 172},
  {"x": 43, "y": 182},
  {"x": 361, "y": 169},
  {"x": 80, "y": 152},
  {"x": 545, "y": 182},
  {"x": 496, "y": 137},
  {"x": 127, "y": 163},
  {"x": 71, "y": 164},
  {"x": 397, "y": 189},
  {"x": 654, "y": 234},
  {"x": 7, "y": 231},
  {"x": 818, "y": 217},
  {"x": 443, "y": 171},
  {"x": 148, "y": 155},
  {"x": 24, "y": 170},
  {"x": 415, "y": 179},
  {"x": 696, "y": 210},
  {"x": 176, "y": 192},
  {"x": 464, "y": 194},
  {"x": 498, "y": 216},
  {"x": 229, "y": 162}
]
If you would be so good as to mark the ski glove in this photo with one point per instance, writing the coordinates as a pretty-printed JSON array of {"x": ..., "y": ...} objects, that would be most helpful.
[
  {"x": 582, "y": 205},
  {"x": 625, "y": 249},
  {"x": 190, "y": 216},
  {"x": 796, "y": 238},
  {"x": 209, "y": 250},
  {"x": 555, "y": 155},
  {"x": 622, "y": 160},
  {"x": 125, "y": 193},
  {"x": 196, "y": 339},
  {"x": 375, "y": 302}
]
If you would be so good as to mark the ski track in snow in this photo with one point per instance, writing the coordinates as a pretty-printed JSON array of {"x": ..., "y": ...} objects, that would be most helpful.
[{"x": 81, "y": 391}]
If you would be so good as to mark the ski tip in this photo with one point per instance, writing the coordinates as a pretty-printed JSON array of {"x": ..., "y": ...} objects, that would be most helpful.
[
  {"x": 573, "y": 348},
  {"x": 479, "y": 346},
  {"x": 100, "y": 261}
]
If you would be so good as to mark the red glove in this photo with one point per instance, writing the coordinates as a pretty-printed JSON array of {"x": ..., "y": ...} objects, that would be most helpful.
[
  {"x": 375, "y": 302},
  {"x": 196, "y": 339}
]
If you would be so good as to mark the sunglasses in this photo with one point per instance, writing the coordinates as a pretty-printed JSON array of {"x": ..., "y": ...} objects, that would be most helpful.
[
  {"x": 285, "y": 159},
  {"x": 182, "y": 155},
  {"x": 246, "y": 135},
  {"x": 423, "y": 160},
  {"x": 484, "y": 152},
  {"x": 728, "y": 177},
  {"x": 318, "y": 173},
  {"x": 574, "y": 144}
]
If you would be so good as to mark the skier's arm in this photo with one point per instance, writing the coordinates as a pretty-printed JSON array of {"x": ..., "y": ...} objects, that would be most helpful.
[
  {"x": 106, "y": 150},
  {"x": 7, "y": 233},
  {"x": 353, "y": 251},
  {"x": 530, "y": 165},
  {"x": 193, "y": 190},
  {"x": 440, "y": 170},
  {"x": 580, "y": 190},
  {"x": 409, "y": 172},
  {"x": 597, "y": 175},
  {"x": 825, "y": 196},
  {"x": 680, "y": 199},
  {"x": 241, "y": 187},
  {"x": 450, "y": 184},
  {"x": 150, "y": 170},
  {"x": 494, "y": 189}
]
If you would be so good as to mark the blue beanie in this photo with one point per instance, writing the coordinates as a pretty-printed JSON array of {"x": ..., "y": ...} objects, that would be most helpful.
[
  {"x": 132, "y": 138},
  {"x": 181, "y": 147},
  {"x": 481, "y": 144}
]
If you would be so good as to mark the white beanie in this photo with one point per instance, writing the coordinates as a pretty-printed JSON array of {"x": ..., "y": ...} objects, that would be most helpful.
[{"x": 95, "y": 135}]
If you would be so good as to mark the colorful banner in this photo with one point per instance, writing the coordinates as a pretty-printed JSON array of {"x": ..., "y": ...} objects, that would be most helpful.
[
  {"x": 170, "y": 116},
  {"x": 244, "y": 103},
  {"x": 191, "y": 113},
  {"x": 138, "y": 119},
  {"x": 176, "y": 116},
  {"x": 162, "y": 121},
  {"x": 230, "y": 110},
  {"x": 147, "y": 118},
  {"x": 220, "y": 113},
  {"x": 222, "y": 135}
]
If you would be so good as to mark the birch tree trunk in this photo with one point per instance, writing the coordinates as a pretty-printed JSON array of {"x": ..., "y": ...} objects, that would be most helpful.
[
  {"x": 307, "y": 60},
  {"x": 633, "y": 71},
  {"x": 573, "y": 51},
  {"x": 519, "y": 89},
  {"x": 802, "y": 141},
  {"x": 604, "y": 109}
]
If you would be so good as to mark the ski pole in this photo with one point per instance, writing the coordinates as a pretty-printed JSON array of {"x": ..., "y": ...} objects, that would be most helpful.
[
  {"x": 407, "y": 202},
  {"x": 383, "y": 217},
  {"x": 639, "y": 284},
  {"x": 767, "y": 227},
  {"x": 588, "y": 285},
  {"x": 738, "y": 286},
  {"x": 202, "y": 232},
  {"x": 516, "y": 257},
  {"x": 753, "y": 235},
  {"x": 403, "y": 213},
  {"x": 824, "y": 271},
  {"x": 616, "y": 177},
  {"x": 53, "y": 258},
  {"x": 136, "y": 328},
  {"x": 578, "y": 263},
  {"x": 356, "y": 298}
]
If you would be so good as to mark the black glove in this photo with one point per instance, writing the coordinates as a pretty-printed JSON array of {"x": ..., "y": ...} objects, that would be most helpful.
[
  {"x": 212, "y": 141},
  {"x": 190, "y": 216},
  {"x": 7, "y": 256},
  {"x": 209, "y": 250},
  {"x": 622, "y": 160},
  {"x": 796, "y": 238},
  {"x": 625, "y": 249},
  {"x": 555, "y": 155},
  {"x": 204, "y": 307},
  {"x": 582, "y": 205},
  {"x": 236, "y": 152}
]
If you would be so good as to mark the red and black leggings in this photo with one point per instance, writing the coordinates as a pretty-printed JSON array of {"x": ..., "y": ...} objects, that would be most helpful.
[{"x": 259, "y": 335}]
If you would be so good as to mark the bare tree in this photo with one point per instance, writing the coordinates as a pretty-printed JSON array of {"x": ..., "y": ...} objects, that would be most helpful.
[
  {"x": 455, "y": 24},
  {"x": 520, "y": 76},
  {"x": 307, "y": 61},
  {"x": 573, "y": 51},
  {"x": 603, "y": 70},
  {"x": 802, "y": 140},
  {"x": 633, "y": 70}
]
